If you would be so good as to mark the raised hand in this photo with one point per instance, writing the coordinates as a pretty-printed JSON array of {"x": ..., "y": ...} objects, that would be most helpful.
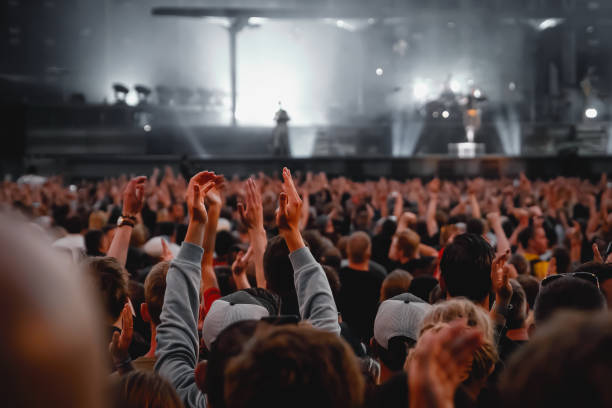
[
  {"x": 500, "y": 279},
  {"x": 251, "y": 214},
  {"x": 437, "y": 364},
  {"x": 120, "y": 343},
  {"x": 133, "y": 196},
  {"x": 167, "y": 255},
  {"x": 198, "y": 187},
  {"x": 213, "y": 197},
  {"x": 290, "y": 205},
  {"x": 596, "y": 255}
]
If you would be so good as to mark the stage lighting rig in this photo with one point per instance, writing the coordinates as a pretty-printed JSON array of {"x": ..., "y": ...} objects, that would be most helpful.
[{"x": 120, "y": 91}]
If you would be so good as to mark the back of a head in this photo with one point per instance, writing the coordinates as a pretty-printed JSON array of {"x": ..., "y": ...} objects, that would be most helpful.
[
  {"x": 279, "y": 274},
  {"x": 520, "y": 263},
  {"x": 166, "y": 228},
  {"x": 486, "y": 356},
  {"x": 50, "y": 350},
  {"x": 525, "y": 235},
  {"x": 466, "y": 267},
  {"x": 395, "y": 283},
  {"x": 74, "y": 224},
  {"x": 566, "y": 364},
  {"x": 93, "y": 241},
  {"x": 408, "y": 242},
  {"x": 154, "y": 290},
  {"x": 359, "y": 247},
  {"x": 107, "y": 275},
  {"x": 290, "y": 366},
  {"x": 562, "y": 256},
  {"x": 140, "y": 389},
  {"x": 475, "y": 226},
  {"x": 228, "y": 344},
  {"x": 531, "y": 286},
  {"x": 567, "y": 293},
  {"x": 518, "y": 311}
]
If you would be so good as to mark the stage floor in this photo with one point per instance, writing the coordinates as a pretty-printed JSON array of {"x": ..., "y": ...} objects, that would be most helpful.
[{"x": 96, "y": 166}]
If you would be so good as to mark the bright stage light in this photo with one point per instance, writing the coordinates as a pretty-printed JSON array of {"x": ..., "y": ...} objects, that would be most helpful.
[
  {"x": 591, "y": 113},
  {"x": 477, "y": 93},
  {"x": 445, "y": 114},
  {"x": 549, "y": 23},
  {"x": 131, "y": 99},
  {"x": 455, "y": 86},
  {"x": 421, "y": 90},
  {"x": 379, "y": 71},
  {"x": 512, "y": 86},
  {"x": 147, "y": 128}
]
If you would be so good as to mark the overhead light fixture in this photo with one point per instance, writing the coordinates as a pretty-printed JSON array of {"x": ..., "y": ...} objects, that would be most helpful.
[
  {"x": 379, "y": 71},
  {"x": 591, "y": 113},
  {"x": 445, "y": 114}
]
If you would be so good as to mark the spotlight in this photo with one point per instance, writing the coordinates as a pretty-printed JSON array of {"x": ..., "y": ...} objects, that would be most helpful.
[
  {"x": 455, "y": 86},
  {"x": 477, "y": 93},
  {"x": 512, "y": 86},
  {"x": 445, "y": 114},
  {"x": 143, "y": 93},
  {"x": 379, "y": 71},
  {"x": 420, "y": 90},
  {"x": 121, "y": 92},
  {"x": 147, "y": 128},
  {"x": 591, "y": 113}
]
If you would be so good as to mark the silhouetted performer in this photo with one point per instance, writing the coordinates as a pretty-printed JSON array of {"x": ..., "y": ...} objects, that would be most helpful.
[{"x": 280, "y": 137}]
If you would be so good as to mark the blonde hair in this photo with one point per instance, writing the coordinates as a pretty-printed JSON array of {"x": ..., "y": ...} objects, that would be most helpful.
[
  {"x": 486, "y": 356},
  {"x": 97, "y": 220}
]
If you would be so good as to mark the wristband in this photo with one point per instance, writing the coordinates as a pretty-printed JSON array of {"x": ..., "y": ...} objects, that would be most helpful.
[{"x": 129, "y": 217}]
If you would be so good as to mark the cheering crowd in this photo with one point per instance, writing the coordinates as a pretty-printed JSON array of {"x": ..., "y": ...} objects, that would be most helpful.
[{"x": 303, "y": 291}]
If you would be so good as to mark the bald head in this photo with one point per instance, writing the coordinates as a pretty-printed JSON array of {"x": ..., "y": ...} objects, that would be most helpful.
[
  {"x": 359, "y": 248},
  {"x": 49, "y": 350}
]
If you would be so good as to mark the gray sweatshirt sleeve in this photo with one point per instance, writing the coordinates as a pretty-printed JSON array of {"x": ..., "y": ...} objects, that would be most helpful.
[
  {"x": 177, "y": 334},
  {"x": 314, "y": 294}
]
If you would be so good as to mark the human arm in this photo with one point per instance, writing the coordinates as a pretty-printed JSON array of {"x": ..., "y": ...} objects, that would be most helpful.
[
  {"x": 133, "y": 200},
  {"x": 503, "y": 244},
  {"x": 239, "y": 268},
  {"x": 177, "y": 334},
  {"x": 500, "y": 285},
  {"x": 120, "y": 343},
  {"x": 209, "y": 279},
  {"x": 430, "y": 216},
  {"x": 315, "y": 298},
  {"x": 251, "y": 216}
]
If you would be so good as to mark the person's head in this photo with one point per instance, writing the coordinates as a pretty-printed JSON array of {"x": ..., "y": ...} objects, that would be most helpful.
[
  {"x": 566, "y": 293},
  {"x": 359, "y": 248},
  {"x": 246, "y": 304},
  {"x": 533, "y": 240},
  {"x": 396, "y": 329},
  {"x": 51, "y": 354},
  {"x": 332, "y": 257},
  {"x": 178, "y": 212},
  {"x": 475, "y": 226},
  {"x": 154, "y": 291},
  {"x": 294, "y": 366},
  {"x": 520, "y": 264},
  {"x": 447, "y": 234},
  {"x": 279, "y": 274},
  {"x": 111, "y": 283},
  {"x": 97, "y": 220},
  {"x": 519, "y": 308},
  {"x": 566, "y": 364},
  {"x": 486, "y": 355},
  {"x": 230, "y": 342},
  {"x": 74, "y": 224},
  {"x": 604, "y": 276},
  {"x": 531, "y": 286},
  {"x": 562, "y": 257},
  {"x": 140, "y": 389},
  {"x": 406, "y": 244},
  {"x": 224, "y": 242},
  {"x": 466, "y": 267},
  {"x": 395, "y": 283},
  {"x": 95, "y": 243},
  {"x": 423, "y": 287}
]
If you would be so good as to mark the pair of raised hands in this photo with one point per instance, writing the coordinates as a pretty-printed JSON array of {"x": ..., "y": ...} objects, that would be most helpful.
[
  {"x": 289, "y": 208},
  {"x": 204, "y": 185}
]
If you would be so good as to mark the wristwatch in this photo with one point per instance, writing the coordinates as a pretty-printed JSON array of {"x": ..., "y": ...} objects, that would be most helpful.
[{"x": 122, "y": 220}]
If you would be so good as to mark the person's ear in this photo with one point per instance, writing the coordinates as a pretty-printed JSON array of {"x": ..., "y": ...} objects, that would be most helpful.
[
  {"x": 144, "y": 313},
  {"x": 200, "y": 375}
]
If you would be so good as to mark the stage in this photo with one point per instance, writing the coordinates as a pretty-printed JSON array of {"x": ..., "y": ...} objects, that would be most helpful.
[{"x": 98, "y": 166}]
